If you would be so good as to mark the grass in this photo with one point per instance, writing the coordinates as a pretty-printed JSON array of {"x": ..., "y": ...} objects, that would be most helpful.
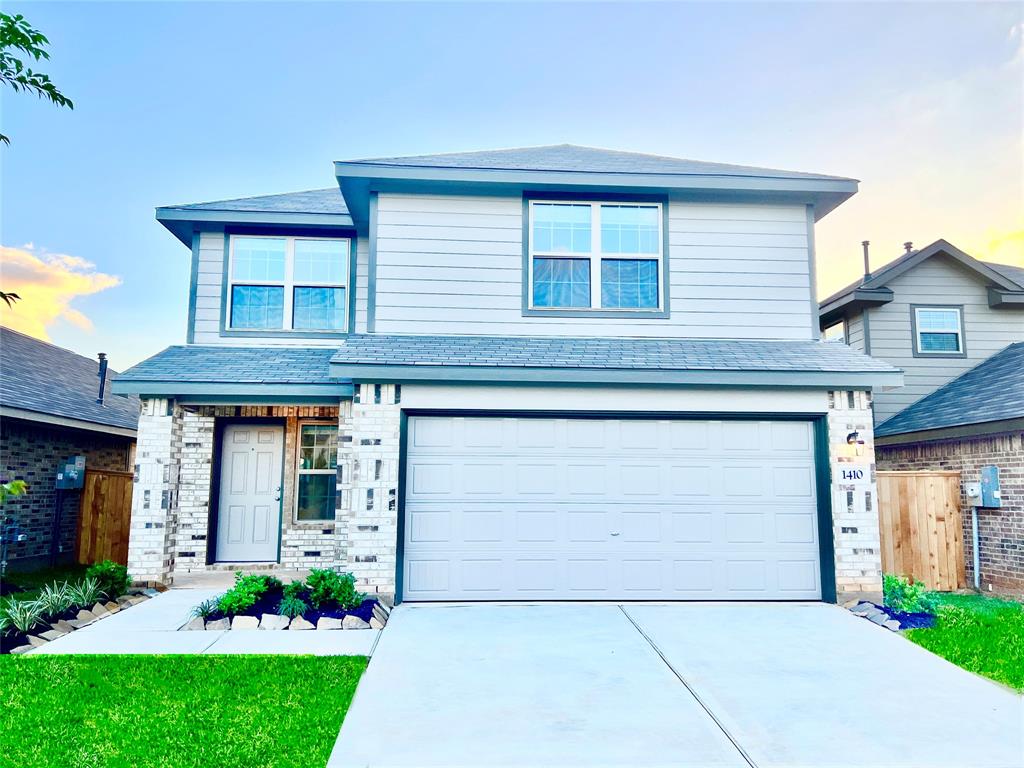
[
  {"x": 981, "y": 634},
  {"x": 33, "y": 581},
  {"x": 173, "y": 711}
]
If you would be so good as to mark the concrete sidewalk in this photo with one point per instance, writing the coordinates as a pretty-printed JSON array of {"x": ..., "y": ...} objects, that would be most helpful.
[{"x": 152, "y": 627}]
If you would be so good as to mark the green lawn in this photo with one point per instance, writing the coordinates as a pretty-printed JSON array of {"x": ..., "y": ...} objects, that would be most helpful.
[
  {"x": 173, "y": 711},
  {"x": 981, "y": 634}
]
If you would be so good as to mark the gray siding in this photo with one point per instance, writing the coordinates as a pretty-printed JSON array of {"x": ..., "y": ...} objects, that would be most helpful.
[
  {"x": 208, "y": 298},
  {"x": 453, "y": 265},
  {"x": 936, "y": 281},
  {"x": 855, "y": 332}
]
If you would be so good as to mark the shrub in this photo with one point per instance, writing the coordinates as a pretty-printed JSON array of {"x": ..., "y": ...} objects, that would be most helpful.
[
  {"x": 206, "y": 608},
  {"x": 294, "y": 589},
  {"x": 55, "y": 598},
  {"x": 112, "y": 578},
  {"x": 292, "y": 607},
  {"x": 332, "y": 587},
  {"x": 904, "y": 596},
  {"x": 85, "y": 593},
  {"x": 23, "y": 615},
  {"x": 249, "y": 587}
]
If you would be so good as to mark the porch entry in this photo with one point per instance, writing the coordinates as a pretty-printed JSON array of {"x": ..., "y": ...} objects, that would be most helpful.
[{"x": 249, "y": 509}]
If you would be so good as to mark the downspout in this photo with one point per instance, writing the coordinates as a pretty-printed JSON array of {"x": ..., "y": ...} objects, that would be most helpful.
[{"x": 974, "y": 546}]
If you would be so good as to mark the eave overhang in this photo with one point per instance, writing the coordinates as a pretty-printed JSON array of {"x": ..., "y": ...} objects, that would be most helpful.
[
  {"x": 184, "y": 222},
  {"x": 852, "y": 302},
  {"x": 235, "y": 391},
  {"x": 1000, "y": 298}
]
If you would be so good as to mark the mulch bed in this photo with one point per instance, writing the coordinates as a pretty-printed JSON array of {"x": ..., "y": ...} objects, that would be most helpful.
[{"x": 269, "y": 601}]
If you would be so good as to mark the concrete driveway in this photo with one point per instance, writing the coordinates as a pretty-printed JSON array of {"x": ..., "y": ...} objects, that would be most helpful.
[{"x": 668, "y": 685}]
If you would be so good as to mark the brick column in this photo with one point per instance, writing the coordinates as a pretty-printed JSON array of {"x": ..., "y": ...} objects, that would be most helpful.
[
  {"x": 858, "y": 558},
  {"x": 154, "y": 495},
  {"x": 194, "y": 484},
  {"x": 368, "y": 447}
]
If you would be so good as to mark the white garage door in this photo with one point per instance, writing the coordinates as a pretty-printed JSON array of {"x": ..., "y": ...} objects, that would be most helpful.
[{"x": 606, "y": 509}]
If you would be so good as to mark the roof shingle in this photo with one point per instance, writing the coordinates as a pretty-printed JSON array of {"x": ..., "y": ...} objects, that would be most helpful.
[
  {"x": 327, "y": 201},
  {"x": 235, "y": 365}
]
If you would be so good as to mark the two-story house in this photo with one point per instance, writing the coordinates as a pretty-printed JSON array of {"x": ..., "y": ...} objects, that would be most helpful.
[{"x": 545, "y": 373}]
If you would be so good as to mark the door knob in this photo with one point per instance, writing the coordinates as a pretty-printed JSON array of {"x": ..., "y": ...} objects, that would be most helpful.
[
  {"x": 277, "y": 493},
  {"x": 615, "y": 533}
]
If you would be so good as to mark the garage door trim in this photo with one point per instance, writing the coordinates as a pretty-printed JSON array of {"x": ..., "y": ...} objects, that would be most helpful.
[{"x": 819, "y": 423}]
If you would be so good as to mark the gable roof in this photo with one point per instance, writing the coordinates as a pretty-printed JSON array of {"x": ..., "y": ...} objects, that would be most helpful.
[
  {"x": 40, "y": 381},
  {"x": 607, "y": 360},
  {"x": 572, "y": 168},
  {"x": 872, "y": 290},
  {"x": 312, "y": 208},
  {"x": 576, "y": 158},
  {"x": 991, "y": 391}
]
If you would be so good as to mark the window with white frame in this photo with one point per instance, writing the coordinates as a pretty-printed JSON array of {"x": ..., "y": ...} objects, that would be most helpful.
[
  {"x": 938, "y": 330},
  {"x": 595, "y": 256},
  {"x": 317, "y": 471},
  {"x": 288, "y": 283},
  {"x": 835, "y": 333}
]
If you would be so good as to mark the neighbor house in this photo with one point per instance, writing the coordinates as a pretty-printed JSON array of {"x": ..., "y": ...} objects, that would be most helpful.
[
  {"x": 55, "y": 405},
  {"x": 545, "y": 373}
]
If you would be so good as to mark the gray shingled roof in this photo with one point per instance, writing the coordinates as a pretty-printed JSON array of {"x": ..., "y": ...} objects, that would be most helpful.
[
  {"x": 574, "y": 158},
  {"x": 235, "y": 365},
  {"x": 605, "y": 353},
  {"x": 991, "y": 391},
  {"x": 40, "y": 377},
  {"x": 327, "y": 201},
  {"x": 1009, "y": 271}
]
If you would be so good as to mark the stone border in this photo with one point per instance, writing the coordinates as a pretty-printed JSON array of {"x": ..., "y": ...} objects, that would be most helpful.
[
  {"x": 872, "y": 613},
  {"x": 85, "y": 617},
  {"x": 272, "y": 621}
]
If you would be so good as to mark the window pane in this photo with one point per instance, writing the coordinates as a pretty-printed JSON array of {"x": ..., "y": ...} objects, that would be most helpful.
[
  {"x": 316, "y": 497},
  {"x": 629, "y": 229},
  {"x": 835, "y": 333},
  {"x": 561, "y": 227},
  {"x": 320, "y": 309},
  {"x": 320, "y": 261},
  {"x": 940, "y": 342},
  {"x": 318, "y": 447},
  {"x": 938, "y": 330},
  {"x": 629, "y": 283},
  {"x": 257, "y": 306},
  {"x": 561, "y": 282},
  {"x": 258, "y": 258}
]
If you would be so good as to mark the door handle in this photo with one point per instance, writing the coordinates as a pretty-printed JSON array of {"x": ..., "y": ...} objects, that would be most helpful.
[
  {"x": 277, "y": 493},
  {"x": 615, "y": 533}
]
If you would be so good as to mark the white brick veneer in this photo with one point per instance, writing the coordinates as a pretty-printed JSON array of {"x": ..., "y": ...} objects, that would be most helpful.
[{"x": 858, "y": 552}]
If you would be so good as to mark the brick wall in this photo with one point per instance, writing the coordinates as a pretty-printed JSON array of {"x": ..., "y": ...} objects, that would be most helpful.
[
  {"x": 1001, "y": 531},
  {"x": 858, "y": 553},
  {"x": 31, "y": 451}
]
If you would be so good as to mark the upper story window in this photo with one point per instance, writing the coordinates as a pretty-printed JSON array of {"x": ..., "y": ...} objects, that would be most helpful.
[
  {"x": 595, "y": 256},
  {"x": 288, "y": 283},
  {"x": 835, "y": 333},
  {"x": 938, "y": 331}
]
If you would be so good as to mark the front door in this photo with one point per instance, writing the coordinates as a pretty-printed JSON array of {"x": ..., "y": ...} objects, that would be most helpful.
[{"x": 249, "y": 512}]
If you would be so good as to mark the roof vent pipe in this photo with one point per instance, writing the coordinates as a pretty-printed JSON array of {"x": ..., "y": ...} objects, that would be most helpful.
[
  {"x": 867, "y": 262},
  {"x": 102, "y": 375},
  {"x": 908, "y": 246}
]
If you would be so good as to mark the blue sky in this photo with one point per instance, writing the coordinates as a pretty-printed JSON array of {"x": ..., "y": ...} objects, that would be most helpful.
[{"x": 186, "y": 102}]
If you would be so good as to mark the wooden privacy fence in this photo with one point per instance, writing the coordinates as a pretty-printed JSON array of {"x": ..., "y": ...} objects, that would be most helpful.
[
  {"x": 922, "y": 533},
  {"x": 104, "y": 517}
]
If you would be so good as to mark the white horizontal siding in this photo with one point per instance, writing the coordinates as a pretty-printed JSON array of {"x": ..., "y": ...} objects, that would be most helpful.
[
  {"x": 450, "y": 264},
  {"x": 209, "y": 293},
  {"x": 936, "y": 281}
]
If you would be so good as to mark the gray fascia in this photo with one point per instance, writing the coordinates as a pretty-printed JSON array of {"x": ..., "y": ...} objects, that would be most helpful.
[
  {"x": 1003, "y": 299},
  {"x": 180, "y": 221},
  {"x": 854, "y": 300},
  {"x": 233, "y": 389}
]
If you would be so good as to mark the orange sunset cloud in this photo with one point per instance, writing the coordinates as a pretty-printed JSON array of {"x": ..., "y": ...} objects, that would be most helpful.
[{"x": 47, "y": 283}]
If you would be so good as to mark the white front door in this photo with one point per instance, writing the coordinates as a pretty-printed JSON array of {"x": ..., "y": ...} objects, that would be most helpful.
[
  {"x": 610, "y": 509},
  {"x": 249, "y": 512}
]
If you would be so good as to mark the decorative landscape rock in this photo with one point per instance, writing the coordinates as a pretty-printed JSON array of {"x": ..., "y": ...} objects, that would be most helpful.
[
  {"x": 23, "y": 649},
  {"x": 245, "y": 622},
  {"x": 99, "y": 611},
  {"x": 219, "y": 624},
  {"x": 112, "y": 607},
  {"x": 35, "y": 642},
  {"x": 325, "y": 622},
  {"x": 273, "y": 621},
  {"x": 53, "y": 634},
  {"x": 300, "y": 623},
  {"x": 353, "y": 622},
  {"x": 63, "y": 626},
  {"x": 198, "y": 623},
  {"x": 84, "y": 615},
  {"x": 375, "y": 623},
  {"x": 892, "y": 625}
]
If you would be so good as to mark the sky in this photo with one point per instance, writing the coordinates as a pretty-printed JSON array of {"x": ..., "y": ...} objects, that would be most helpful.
[{"x": 193, "y": 101}]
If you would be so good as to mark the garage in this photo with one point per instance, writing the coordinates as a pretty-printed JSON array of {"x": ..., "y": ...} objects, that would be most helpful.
[{"x": 566, "y": 508}]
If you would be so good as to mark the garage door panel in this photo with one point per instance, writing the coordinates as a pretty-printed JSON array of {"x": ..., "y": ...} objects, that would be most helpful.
[{"x": 562, "y": 509}]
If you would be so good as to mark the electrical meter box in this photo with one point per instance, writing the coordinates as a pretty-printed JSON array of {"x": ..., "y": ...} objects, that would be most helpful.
[
  {"x": 990, "y": 494},
  {"x": 71, "y": 474},
  {"x": 973, "y": 493}
]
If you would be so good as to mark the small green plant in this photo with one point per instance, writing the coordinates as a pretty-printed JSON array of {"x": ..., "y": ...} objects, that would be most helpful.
[
  {"x": 55, "y": 598},
  {"x": 292, "y": 607},
  {"x": 112, "y": 578},
  {"x": 23, "y": 615},
  {"x": 249, "y": 587},
  {"x": 904, "y": 596},
  {"x": 294, "y": 589},
  {"x": 327, "y": 586},
  {"x": 85, "y": 593},
  {"x": 12, "y": 487},
  {"x": 206, "y": 608}
]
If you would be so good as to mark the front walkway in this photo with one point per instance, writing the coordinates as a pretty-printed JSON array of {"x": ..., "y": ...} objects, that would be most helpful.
[
  {"x": 152, "y": 627},
  {"x": 739, "y": 685}
]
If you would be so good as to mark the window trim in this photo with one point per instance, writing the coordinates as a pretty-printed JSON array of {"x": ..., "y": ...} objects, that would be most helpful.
[
  {"x": 298, "y": 472},
  {"x": 846, "y": 331},
  {"x": 595, "y": 256},
  {"x": 915, "y": 338},
  {"x": 289, "y": 236}
]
